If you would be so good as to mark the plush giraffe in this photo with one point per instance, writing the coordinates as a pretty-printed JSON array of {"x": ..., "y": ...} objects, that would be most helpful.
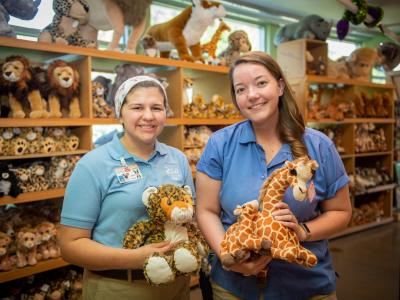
[
  {"x": 285, "y": 243},
  {"x": 240, "y": 238},
  {"x": 211, "y": 46},
  {"x": 257, "y": 231}
]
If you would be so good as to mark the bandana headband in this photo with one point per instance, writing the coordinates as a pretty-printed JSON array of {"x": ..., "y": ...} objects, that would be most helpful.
[{"x": 127, "y": 86}]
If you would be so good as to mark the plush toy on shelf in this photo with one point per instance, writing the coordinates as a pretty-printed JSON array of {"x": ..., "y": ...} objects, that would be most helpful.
[
  {"x": 170, "y": 209},
  {"x": 360, "y": 63},
  {"x": 26, "y": 247},
  {"x": 21, "y": 9},
  {"x": 310, "y": 27},
  {"x": 47, "y": 244},
  {"x": 238, "y": 43},
  {"x": 100, "y": 107},
  {"x": 69, "y": 25},
  {"x": 18, "y": 82},
  {"x": 185, "y": 30},
  {"x": 211, "y": 47},
  {"x": 64, "y": 90},
  {"x": 8, "y": 182},
  {"x": 149, "y": 45},
  {"x": 6, "y": 262}
]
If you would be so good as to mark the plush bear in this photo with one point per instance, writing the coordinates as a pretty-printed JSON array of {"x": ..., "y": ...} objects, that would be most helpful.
[
  {"x": 21, "y": 9},
  {"x": 6, "y": 262},
  {"x": 8, "y": 182},
  {"x": 26, "y": 247},
  {"x": 185, "y": 30},
  {"x": 170, "y": 209},
  {"x": 18, "y": 82},
  {"x": 310, "y": 27},
  {"x": 238, "y": 43}
]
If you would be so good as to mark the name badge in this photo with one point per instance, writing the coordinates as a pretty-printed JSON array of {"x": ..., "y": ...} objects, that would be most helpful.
[{"x": 128, "y": 173}]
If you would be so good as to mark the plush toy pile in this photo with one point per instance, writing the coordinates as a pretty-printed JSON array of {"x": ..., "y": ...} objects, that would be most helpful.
[
  {"x": 370, "y": 138},
  {"x": 28, "y": 235},
  {"x": 217, "y": 108},
  {"x": 19, "y": 141},
  {"x": 63, "y": 283},
  {"x": 195, "y": 140},
  {"x": 170, "y": 209}
]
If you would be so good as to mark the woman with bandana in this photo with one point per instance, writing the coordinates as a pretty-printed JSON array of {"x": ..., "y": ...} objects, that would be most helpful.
[{"x": 103, "y": 198}]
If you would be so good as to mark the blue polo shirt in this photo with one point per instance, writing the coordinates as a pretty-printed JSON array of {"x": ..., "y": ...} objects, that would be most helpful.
[
  {"x": 233, "y": 156},
  {"x": 95, "y": 199}
]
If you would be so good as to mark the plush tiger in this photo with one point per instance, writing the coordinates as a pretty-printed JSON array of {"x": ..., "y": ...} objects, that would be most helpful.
[{"x": 171, "y": 212}]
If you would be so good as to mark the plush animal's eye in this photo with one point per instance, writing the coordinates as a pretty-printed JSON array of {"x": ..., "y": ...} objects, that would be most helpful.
[
  {"x": 169, "y": 201},
  {"x": 293, "y": 172}
]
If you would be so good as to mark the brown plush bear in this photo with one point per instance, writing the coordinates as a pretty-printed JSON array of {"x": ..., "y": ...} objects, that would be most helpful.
[{"x": 26, "y": 247}]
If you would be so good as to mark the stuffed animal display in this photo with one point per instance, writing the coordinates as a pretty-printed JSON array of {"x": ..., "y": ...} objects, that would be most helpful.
[
  {"x": 310, "y": 27},
  {"x": 370, "y": 138},
  {"x": 217, "y": 108},
  {"x": 259, "y": 232},
  {"x": 170, "y": 209},
  {"x": 21, "y": 9},
  {"x": 185, "y": 30},
  {"x": 238, "y": 43},
  {"x": 195, "y": 140},
  {"x": 211, "y": 47}
]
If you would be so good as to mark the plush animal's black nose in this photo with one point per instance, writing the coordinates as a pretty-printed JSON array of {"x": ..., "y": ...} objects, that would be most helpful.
[
  {"x": 65, "y": 78},
  {"x": 8, "y": 73}
]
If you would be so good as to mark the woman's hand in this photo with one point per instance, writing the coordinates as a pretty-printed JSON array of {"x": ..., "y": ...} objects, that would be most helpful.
[
  {"x": 148, "y": 250},
  {"x": 288, "y": 219},
  {"x": 251, "y": 267}
]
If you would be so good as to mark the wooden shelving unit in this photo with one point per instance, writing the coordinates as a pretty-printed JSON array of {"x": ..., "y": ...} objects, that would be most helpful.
[
  {"x": 292, "y": 59},
  {"x": 209, "y": 80},
  {"x": 40, "y": 267}
]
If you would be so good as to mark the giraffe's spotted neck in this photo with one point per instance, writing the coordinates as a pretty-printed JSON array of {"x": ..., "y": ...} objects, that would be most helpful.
[{"x": 274, "y": 188}]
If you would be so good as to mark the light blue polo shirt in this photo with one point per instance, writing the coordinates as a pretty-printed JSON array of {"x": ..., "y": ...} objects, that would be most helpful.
[
  {"x": 233, "y": 156},
  {"x": 96, "y": 200}
]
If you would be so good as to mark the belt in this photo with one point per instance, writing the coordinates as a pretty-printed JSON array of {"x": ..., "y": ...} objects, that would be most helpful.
[{"x": 123, "y": 274}]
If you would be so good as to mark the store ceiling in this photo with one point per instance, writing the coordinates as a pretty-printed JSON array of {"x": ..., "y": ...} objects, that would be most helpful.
[{"x": 328, "y": 9}]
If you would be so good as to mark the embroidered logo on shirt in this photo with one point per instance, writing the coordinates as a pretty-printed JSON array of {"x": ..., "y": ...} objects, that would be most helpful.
[{"x": 173, "y": 171}]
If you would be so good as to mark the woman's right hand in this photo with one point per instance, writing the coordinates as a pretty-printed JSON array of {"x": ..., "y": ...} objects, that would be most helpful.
[
  {"x": 149, "y": 249},
  {"x": 251, "y": 267}
]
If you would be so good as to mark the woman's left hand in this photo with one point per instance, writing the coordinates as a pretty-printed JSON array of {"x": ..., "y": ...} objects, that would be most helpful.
[{"x": 288, "y": 219}]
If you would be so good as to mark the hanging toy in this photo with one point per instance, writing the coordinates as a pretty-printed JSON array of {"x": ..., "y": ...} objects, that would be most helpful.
[{"x": 358, "y": 11}]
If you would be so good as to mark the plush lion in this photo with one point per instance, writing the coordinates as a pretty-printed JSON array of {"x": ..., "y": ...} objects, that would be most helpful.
[
  {"x": 64, "y": 90},
  {"x": 18, "y": 82},
  {"x": 171, "y": 211},
  {"x": 238, "y": 43},
  {"x": 185, "y": 30}
]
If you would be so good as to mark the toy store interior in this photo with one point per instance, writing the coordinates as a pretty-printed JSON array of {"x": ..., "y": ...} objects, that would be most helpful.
[{"x": 62, "y": 62}]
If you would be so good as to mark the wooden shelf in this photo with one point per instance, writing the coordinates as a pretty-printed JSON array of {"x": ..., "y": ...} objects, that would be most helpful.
[
  {"x": 325, "y": 79},
  {"x": 33, "y": 196},
  {"x": 363, "y": 227},
  {"x": 42, "y": 266},
  {"x": 373, "y": 154},
  {"x": 379, "y": 188},
  {"x": 40, "y": 155},
  {"x": 49, "y": 122},
  {"x": 141, "y": 59},
  {"x": 354, "y": 121}
]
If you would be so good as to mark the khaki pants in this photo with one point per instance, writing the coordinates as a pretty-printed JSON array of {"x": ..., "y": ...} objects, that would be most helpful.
[
  {"x": 96, "y": 287},
  {"x": 219, "y": 293}
]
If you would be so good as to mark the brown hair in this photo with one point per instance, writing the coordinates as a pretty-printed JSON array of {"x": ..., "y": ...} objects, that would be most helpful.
[{"x": 291, "y": 125}]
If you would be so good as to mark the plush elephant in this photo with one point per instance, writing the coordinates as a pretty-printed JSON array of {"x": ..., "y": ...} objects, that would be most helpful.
[
  {"x": 310, "y": 27},
  {"x": 21, "y": 9}
]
